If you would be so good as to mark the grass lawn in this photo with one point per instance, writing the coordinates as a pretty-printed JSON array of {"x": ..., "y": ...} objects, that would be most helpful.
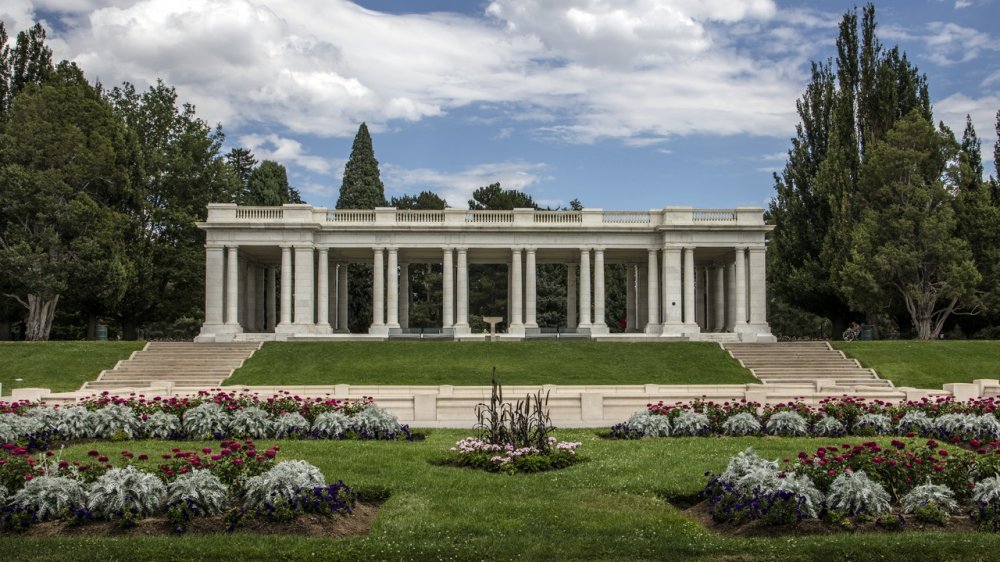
[
  {"x": 607, "y": 508},
  {"x": 927, "y": 364},
  {"x": 470, "y": 363},
  {"x": 61, "y": 366}
]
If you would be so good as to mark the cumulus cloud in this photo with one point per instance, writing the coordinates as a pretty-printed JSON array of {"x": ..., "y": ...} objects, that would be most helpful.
[
  {"x": 287, "y": 151},
  {"x": 953, "y": 109},
  {"x": 456, "y": 187},
  {"x": 950, "y": 43}
]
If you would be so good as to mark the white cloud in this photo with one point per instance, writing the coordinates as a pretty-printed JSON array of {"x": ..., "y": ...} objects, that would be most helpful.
[
  {"x": 287, "y": 151},
  {"x": 953, "y": 109},
  {"x": 16, "y": 15},
  {"x": 950, "y": 43},
  {"x": 456, "y": 187}
]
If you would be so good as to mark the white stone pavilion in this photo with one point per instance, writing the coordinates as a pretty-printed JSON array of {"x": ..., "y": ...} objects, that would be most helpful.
[{"x": 280, "y": 273}]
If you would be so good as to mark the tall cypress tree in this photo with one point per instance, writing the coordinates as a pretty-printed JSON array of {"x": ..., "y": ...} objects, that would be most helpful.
[{"x": 362, "y": 187}]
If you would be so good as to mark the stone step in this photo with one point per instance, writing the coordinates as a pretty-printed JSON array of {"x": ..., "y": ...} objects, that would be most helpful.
[{"x": 183, "y": 363}]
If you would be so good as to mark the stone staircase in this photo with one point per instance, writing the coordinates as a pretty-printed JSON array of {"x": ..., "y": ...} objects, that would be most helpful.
[
  {"x": 803, "y": 362},
  {"x": 180, "y": 363}
]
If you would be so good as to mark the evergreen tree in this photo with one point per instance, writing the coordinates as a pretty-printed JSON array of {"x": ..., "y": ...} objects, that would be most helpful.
[
  {"x": 268, "y": 185},
  {"x": 425, "y": 200},
  {"x": 362, "y": 187},
  {"x": 242, "y": 162},
  {"x": 496, "y": 198},
  {"x": 995, "y": 179}
]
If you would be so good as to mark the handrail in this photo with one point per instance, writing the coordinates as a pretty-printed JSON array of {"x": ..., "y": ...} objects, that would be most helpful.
[
  {"x": 350, "y": 215},
  {"x": 626, "y": 217},
  {"x": 713, "y": 215},
  {"x": 259, "y": 213}
]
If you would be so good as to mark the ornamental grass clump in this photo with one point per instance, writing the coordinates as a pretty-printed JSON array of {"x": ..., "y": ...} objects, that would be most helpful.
[
  {"x": 250, "y": 422},
  {"x": 743, "y": 423},
  {"x": 115, "y": 421},
  {"x": 331, "y": 425},
  {"x": 828, "y": 426},
  {"x": 856, "y": 494},
  {"x": 691, "y": 423},
  {"x": 916, "y": 422},
  {"x": 290, "y": 424},
  {"x": 161, "y": 425},
  {"x": 787, "y": 424},
  {"x": 205, "y": 421},
  {"x": 646, "y": 424},
  {"x": 50, "y": 497},
  {"x": 872, "y": 424},
  {"x": 126, "y": 495}
]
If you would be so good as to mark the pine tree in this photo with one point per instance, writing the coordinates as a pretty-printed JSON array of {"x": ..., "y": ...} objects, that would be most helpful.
[
  {"x": 242, "y": 162},
  {"x": 362, "y": 187}
]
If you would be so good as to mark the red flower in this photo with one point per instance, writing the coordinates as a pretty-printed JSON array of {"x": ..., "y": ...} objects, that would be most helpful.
[
  {"x": 102, "y": 458},
  {"x": 943, "y": 453},
  {"x": 206, "y": 450},
  {"x": 144, "y": 457},
  {"x": 92, "y": 453},
  {"x": 938, "y": 467}
]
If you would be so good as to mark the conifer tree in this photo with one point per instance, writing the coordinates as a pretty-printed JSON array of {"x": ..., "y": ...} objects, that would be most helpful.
[{"x": 362, "y": 187}]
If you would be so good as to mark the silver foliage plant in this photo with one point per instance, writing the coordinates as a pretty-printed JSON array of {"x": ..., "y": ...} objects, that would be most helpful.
[
  {"x": 915, "y": 421},
  {"x": 280, "y": 484},
  {"x": 126, "y": 490},
  {"x": 250, "y": 422},
  {"x": 744, "y": 463},
  {"x": 930, "y": 494},
  {"x": 73, "y": 422},
  {"x": 803, "y": 487},
  {"x": 375, "y": 421},
  {"x": 50, "y": 497},
  {"x": 648, "y": 424},
  {"x": 201, "y": 489},
  {"x": 205, "y": 420},
  {"x": 331, "y": 424},
  {"x": 743, "y": 423},
  {"x": 114, "y": 420},
  {"x": 290, "y": 424},
  {"x": 14, "y": 427},
  {"x": 161, "y": 425},
  {"x": 690, "y": 423},
  {"x": 873, "y": 424},
  {"x": 987, "y": 491},
  {"x": 828, "y": 426},
  {"x": 787, "y": 423},
  {"x": 855, "y": 493}
]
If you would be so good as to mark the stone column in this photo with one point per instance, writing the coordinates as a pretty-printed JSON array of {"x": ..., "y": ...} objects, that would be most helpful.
[
  {"x": 629, "y": 297},
  {"x": 672, "y": 291},
  {"x": 334, "y": 296},
  {"x": 378, "y": 293},
  {"x": 702, "y": 312},
  {"x": 641, "y": 294},
  {"x": 653, "y": 325},
  {"x": 516, "y": 302},
  {"x": 510, "y": 296},
  {"x": 689, "y": 282},
  {"x": 250, "y": 298},
  {"x": 323, "y": 291},
  {"x": 571, "y": 295},
  {"x": 259, "y": 274},
  {"x": 215, "y": 257},
  {"x": 719, "y": 295},
  {"x": 271, "y": 282},
  {"x": 304, "y": 290},
  {"x": 462, "y": 280},
  {"x": 232, "y": 287},
  {"x": 448, "y": 291},
  {"x": 600, "y": 325},
  {"x": 392, "y": 296},
  {"x": 730, "y": 296},
  {"x": 286, "y": 285},
  {"x": 404, "y": 295},
  {"x": 758, "y": 288},
  {"x": 740, "y": 288},
  {"x": 342, "y": 298},
  {"x": 530, "y": 290},
  {"x": 585, "y": 290}
]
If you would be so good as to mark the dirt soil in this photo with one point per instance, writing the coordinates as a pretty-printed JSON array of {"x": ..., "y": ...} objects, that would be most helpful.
[{"x": 307, "y": 525}]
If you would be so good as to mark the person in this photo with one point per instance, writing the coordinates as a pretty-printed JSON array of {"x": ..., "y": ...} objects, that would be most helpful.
[{"x": 853, "y": 332}]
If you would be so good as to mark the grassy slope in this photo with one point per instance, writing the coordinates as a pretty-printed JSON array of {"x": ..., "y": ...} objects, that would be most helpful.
[
  {"x": 608, "y": 507},
  {"x": 927, "y": 364},
  {"x": 60, "y": 366},
  {"x": 470, "y": 363}
]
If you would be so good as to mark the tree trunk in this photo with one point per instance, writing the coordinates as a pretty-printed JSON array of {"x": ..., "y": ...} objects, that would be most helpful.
[
  {"x": 130, "y": 330},
  {"x": 91, "y": 326},
  {"x": 5, "y": 333},
  {"x": 40, "y": 315}
]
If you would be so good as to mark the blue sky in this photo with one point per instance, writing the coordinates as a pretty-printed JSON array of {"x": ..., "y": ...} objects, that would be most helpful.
[{"x": 627, "y": 104}]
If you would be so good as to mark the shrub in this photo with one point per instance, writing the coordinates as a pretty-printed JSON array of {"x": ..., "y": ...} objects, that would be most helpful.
[
  {"x": 743, "y": 423},
  {"x": 250, "y": 422},
  {"x": 161, "y": 425},
  {"x": 205, "y": 421},
  {"x": 856, "y": 494},
  {"x": 114, "y": 421},
  {"x": 50, "y": 497},
  {"x": 126, "y": 495},
  {"x": 690, "y": 423},
  {"x": 331, "y": 424},
  {"x": 787, "y": 424},
  {"x": 290, "y": 424},
  {"x": 196, "y": 493},
  {"x": 915, "y": 421},
  {"x": 930, "y": 495},
  {"x": 873, "y": 424},
  {"x": 74, "y": 422},
  {"x": 280, "y": 484},
  {"x": 645, "y": 424},
  {"x": 828, "y": 426}
]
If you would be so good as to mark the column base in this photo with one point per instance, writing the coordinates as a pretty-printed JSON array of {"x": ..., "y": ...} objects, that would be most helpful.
[
  {"x": 673, "y": 329},
  {"x": 515, "y": 330},
  {"x": 220, "y": 329},
  {"x": 599, "y": 329},
  {"x": 380, "y": 330},
  {"x": 653, "y": 329},
  {"x": 461, "y": 330},
  {"x": 755, "y": 333},
  {"x": 323, "y": 328},
  {"x": 294, "y": 328},
  {"x": 692, "y": 329}
]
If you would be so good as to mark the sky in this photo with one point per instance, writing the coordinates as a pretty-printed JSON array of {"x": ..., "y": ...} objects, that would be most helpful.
[{"x": 622, "y": 104}]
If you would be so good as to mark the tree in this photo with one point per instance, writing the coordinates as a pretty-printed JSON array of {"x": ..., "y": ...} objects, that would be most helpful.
[
  {"x": 268, "y": 185},
  {"x": 425, "y": 200},
  {"x": 995, "y": 180},
  {"x": 28, "y": 62},
  {"x": 906, "y": 242},
  {"x": 64, "y": 185},
  {"x": 176, "y": 169},
  {"x": 242, "y": 162},
  {"x": 362, "y": 187},
  {"x": 495, "y": 197}
]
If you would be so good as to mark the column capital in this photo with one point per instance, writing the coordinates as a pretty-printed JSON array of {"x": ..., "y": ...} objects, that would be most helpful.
[
  {"x": 215, "y": 246},
  {"x": 462, "y": 250},
  {"x": 530, "y": 249}
]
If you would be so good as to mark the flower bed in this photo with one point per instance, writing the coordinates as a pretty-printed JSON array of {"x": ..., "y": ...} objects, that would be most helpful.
[
  {"x": 206, "y": 416},
  {"x": 942, "y": 418},
  {"x": 473, "y": 452},
  {"x": 850, "y": 485},
  {"x": 236, "y": 483}
]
